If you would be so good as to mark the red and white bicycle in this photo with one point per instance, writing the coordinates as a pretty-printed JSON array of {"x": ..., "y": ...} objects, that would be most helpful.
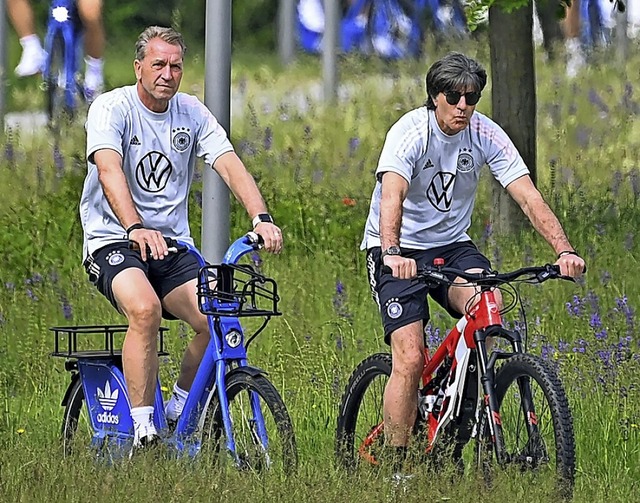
[{"x": 516, "y": 410}]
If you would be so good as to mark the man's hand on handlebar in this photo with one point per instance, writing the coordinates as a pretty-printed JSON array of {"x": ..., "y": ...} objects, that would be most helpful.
[
  {"x": 271, "y": 235},
  {"x": 401, "y": 267},
  {"x": 571, "y": 265},
  {"x": 151, "y": 242}
]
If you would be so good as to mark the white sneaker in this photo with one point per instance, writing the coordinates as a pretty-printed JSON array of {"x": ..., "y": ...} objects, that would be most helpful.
[{"x": 31, "y": 62}]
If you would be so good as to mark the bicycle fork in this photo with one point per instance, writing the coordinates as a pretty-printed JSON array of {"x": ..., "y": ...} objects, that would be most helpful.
[
  {"x": 490, "y": 405},
  {"x": 258, "y": 427}
]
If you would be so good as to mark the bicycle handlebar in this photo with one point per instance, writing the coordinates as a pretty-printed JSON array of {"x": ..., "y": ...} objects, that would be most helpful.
[
  {"x": 250, "y": 241},
  {"x": 534, "y": 274}
]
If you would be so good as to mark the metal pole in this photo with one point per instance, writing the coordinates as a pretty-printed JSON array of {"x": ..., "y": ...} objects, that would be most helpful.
[
  {"x": 3, "y": 60},
  {"x": 217, "y": 97},
  {"x": 286, "y": 31},
  {"x": 330, "y": 43},
  {"x": 622, "y": 36}
]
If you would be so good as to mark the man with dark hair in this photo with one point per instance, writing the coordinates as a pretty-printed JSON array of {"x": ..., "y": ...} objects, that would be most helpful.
[
  {"x": 427, "y": 178},
  {"x": 142, "y": 145}
]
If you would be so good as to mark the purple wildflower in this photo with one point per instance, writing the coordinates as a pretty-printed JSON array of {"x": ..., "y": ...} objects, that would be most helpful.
[
  {"x": 58, "y": 161},
  {"x": 67, "y": 311},
  {"x": 340, "y": 301},
  {"x": 634, "y": 177},
  {"x": 616, "y": 183},
  {"x": 547, "y": 351},
  {"x": 32, "y": 295},
  {"x": 354, "y": 143},
  {"x": 256, "y": 259},
  {"x": 433, "y": 336},
  {"x": 628, "y": 241},
  {"x": 267, "y": 143}
]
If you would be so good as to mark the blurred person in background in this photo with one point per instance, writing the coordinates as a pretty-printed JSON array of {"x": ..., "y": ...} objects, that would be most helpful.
[{"x": 33, "y": 55}]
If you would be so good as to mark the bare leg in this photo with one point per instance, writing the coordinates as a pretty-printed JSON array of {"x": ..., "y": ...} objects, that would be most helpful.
[
  {"x": 140, "y": 304},
  {"x": 401, "y": 392},
  {"x": 33, "y": 55},
  {"x": 90, "y": 12},
  {"x": 571, "y": 28},
  {"x": 182, "y": 303},
  {"x": 21, "y": 15}
]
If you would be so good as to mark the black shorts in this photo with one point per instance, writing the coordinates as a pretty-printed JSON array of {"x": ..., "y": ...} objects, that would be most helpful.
[
  {"x": 403, "y": 301},
  {"x": 164, "y": 275}
]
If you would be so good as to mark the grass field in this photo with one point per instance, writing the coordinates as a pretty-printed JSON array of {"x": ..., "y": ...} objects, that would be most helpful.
[{"x": 315, "y": 169}]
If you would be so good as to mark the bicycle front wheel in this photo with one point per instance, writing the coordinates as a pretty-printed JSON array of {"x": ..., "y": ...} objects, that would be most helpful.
[
  {"x": 245, "y": 392},
  {"x": 359, "y": 433},
  {"x": 57, "y": 109},
  {"x": 535, "y": 422}
]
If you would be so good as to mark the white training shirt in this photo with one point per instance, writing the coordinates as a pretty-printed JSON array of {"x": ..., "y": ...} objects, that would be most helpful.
[
  {"x": 443, "y": 173},
  {"x": 158, "y": 152}
]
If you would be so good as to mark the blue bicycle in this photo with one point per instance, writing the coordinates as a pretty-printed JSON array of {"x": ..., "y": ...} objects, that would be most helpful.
[
  {"x": 61, "y": 76},
  {"x": 232, "y": 410}
]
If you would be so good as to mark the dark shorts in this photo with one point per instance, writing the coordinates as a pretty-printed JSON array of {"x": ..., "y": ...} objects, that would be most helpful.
[
  {"x": 164, "y": 275},
  {"x": 403, "y": 301}
]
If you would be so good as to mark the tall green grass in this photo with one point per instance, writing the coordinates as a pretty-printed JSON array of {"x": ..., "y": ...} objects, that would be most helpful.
[{"x": 315, "y": 169}]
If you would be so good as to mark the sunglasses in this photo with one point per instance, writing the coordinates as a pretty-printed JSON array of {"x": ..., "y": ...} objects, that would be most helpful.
[{"x": 453, "y": 97}]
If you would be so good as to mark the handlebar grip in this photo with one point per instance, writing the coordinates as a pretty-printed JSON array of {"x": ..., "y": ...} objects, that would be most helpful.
[
  {"x": 386, "y": 269},
  {"x": 255, "y": 239}
]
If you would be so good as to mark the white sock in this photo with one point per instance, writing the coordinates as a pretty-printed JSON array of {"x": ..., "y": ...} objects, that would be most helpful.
[
  {"x": 142, "y": 422},
  {"x": 94, "y": 64},
  {"x": 93, "y": 78},
  {"x": 31, "y": 42},
  {"x": 176, "y": 403}
]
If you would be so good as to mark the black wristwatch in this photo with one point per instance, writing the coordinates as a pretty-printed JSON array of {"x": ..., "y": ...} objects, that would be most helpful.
[
  {"x": 262, "y": 217},
  {"x": 392, "y": 250}
]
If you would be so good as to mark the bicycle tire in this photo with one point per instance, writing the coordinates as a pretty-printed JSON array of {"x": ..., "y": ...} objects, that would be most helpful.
[
  {"x": 55, "y": 92},
  {"x": 553, "y": 446},
  {"x": 352, "y": 414},
  {"x": 77, "y": 431},
  {"x": 282, "y": 451}
]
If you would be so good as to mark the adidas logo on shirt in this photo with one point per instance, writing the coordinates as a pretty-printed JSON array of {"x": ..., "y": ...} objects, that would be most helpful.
[{"x": 134, "y": 140}]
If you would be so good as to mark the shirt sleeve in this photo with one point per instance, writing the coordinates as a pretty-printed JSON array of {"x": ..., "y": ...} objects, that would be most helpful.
[
  {"x": 105, "y": 127},
  {"x": 503, "y": 158},
  {"x": 404, "y": 145},
  {"x": 212, "y": 138}
]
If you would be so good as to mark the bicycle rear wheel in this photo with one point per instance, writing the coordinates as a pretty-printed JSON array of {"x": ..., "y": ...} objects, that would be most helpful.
[
  {"x": 359, "y": 433},
  {"x": 280, "y": 452},
  {"x": 536, "y": 423},
  {"x": 77, "y": 432}
]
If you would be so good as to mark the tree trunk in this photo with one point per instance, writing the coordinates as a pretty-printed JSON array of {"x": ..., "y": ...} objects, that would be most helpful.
[{"x": 513, "y": 100}]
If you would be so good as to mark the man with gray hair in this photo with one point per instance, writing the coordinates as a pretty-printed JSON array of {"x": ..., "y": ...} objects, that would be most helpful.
[
  {"x": 427, "y": 177},
  {"x": 142, "y": 144}
]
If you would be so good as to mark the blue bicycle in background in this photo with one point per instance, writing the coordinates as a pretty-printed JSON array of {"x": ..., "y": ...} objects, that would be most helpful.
[
  {"x": 62, "y": 79},
  {"x": 232, "y": 411},
  {"x": 391, "y": 29}
]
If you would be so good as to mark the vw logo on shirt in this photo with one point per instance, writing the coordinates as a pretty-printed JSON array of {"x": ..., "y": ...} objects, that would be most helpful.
[{"x": 153, "y": 172}]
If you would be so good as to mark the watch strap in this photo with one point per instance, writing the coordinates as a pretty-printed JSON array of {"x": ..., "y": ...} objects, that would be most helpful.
[{"x": 261, "y": 217}]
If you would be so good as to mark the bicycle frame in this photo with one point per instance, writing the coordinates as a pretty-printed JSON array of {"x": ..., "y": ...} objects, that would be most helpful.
[
  {"x": 470, "y": 333},
  {"x": 220, "y": 356},
  {"x": 63, "y": 24}
]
